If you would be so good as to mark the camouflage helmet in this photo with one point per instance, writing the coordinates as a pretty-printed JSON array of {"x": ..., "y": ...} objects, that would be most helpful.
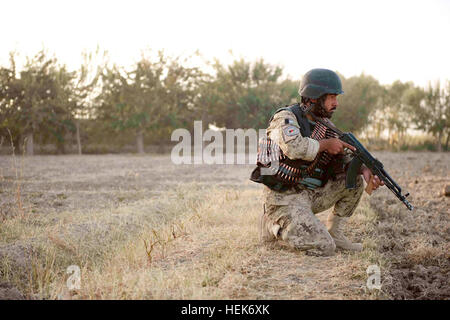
[{"x": 317, "y": 82}]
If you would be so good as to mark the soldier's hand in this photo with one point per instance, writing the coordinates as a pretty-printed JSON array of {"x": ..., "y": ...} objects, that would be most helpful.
[
  {"x": 334, "y": 146},
  {"x": 368, "y": 176}
]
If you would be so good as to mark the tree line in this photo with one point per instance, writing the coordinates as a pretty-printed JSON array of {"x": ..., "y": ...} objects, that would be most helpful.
[{"x": 104, "y": 103}]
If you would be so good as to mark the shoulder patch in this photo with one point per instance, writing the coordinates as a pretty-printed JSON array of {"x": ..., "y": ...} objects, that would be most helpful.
[{"x": 291, "y": 131}]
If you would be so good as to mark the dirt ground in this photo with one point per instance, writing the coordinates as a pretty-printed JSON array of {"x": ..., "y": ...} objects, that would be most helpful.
[
  {"x": 416, "y": 243},
  {"x": 107, "y": 212}
]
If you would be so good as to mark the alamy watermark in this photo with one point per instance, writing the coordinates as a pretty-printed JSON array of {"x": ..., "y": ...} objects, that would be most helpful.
[
  {"x": 374, "y": 279},
  {"x": 209, "y": 146},
  {"x": 74, "y": 281}
]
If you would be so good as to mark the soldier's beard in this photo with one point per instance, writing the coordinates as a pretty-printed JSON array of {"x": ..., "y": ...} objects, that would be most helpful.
[{"x": 319, "y": 111}]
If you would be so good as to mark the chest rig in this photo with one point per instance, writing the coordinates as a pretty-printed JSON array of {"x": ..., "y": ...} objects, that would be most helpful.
[{"x": 278, "y": 172}]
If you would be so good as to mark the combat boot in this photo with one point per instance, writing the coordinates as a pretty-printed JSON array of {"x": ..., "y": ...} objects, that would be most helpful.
[
  {"x": 335, "y": 226},
  {"x": 267, "y": 231}
]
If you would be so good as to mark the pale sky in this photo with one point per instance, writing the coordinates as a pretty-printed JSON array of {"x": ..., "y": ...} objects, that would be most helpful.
[{"x": 390, "y": 40}]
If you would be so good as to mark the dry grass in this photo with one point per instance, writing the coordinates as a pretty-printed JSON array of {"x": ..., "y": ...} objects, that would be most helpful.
[
  {"x": 213, "y": 252},
  {"x": 204, "y": 245},
  {"x": 190, "y": 235}
]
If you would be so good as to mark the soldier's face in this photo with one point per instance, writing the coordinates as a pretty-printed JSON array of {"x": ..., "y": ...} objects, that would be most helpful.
[
  {"x": 330, "y": 103},
  {"x": 328, "y": 106}
]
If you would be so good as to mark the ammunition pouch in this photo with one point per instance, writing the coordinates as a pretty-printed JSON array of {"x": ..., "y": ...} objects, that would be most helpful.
[
  {"x": 280, "y": 173},
  {"x": 275, "y": 181},
  {"x": 268, "y": 180}
]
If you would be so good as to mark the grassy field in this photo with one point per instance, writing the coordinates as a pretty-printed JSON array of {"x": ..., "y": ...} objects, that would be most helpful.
[{"x": 139, "y": 227}]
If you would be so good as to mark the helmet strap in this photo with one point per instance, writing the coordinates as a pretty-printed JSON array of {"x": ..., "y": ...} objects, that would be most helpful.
[{"x": 306, "y": 109}]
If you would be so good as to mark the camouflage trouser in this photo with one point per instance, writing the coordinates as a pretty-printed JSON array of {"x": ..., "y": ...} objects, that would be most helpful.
[{"x": 290, "y": 216}]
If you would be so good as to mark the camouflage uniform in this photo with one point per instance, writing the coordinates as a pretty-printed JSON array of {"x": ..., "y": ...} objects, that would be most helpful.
[{"x": 290, "y": 215}]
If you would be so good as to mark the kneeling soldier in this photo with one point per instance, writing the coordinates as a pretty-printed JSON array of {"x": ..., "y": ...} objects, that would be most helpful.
[{"x": 302, "y": 165}]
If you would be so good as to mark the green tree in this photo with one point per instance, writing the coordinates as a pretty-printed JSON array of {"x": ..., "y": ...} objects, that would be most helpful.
[
  {"x": 360, "y": 99},
  {"x": 430, "y": 110},
  {"x": 182, "y": 94},
  {"x": 10, "y": 91},
  {"x": 245, "y": 94},
  {"x": 37, "y": 100},
  {"x": 84, "y": 88},
  {"x": 150, "y": 99},
  {"x": 393, "y": 114}
]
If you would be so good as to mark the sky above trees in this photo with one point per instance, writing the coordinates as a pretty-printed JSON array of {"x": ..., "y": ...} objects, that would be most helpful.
[{"x": 390, "y": 40}]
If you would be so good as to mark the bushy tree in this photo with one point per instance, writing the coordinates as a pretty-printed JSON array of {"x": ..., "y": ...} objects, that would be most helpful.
[
  {"x": 37, "y": 100},
  {"x": 361, "y": 98},
  {"x": 245, "y": 94},
  {"x": 430, "y": 110},
  {"x": 151, "y": 99},
  {"x": 84, "y": 87}
]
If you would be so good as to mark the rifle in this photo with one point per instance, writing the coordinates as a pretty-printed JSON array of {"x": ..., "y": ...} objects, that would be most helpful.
[{"x": 362, "y": 156}]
